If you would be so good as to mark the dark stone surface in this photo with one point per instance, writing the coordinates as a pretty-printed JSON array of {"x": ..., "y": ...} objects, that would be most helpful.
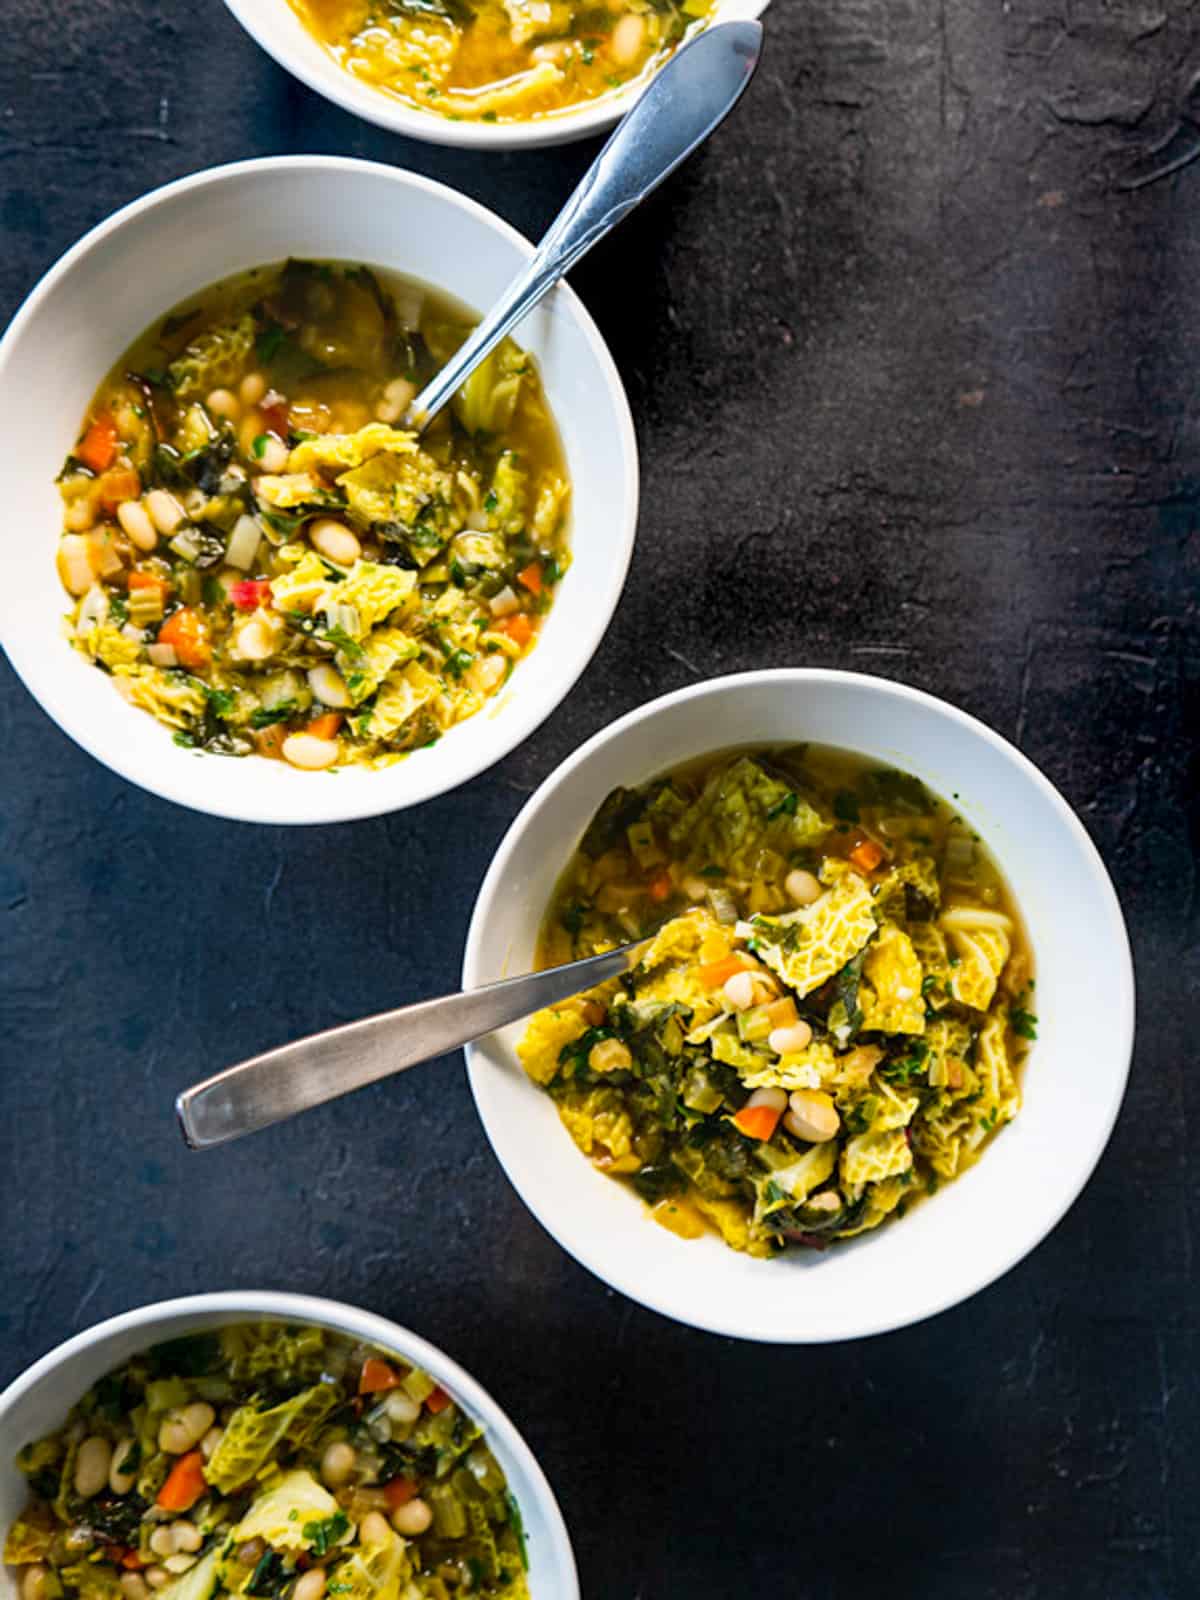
[{"x": 913, "y": 351}]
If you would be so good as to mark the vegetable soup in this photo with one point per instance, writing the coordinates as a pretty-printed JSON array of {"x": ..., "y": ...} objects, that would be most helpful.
[
  {"x": 829, "y": 1018},
  {"x": 500, "y": 60},
  {"x": 268, "y": 1461},
  {"x": 262, "y": 556}
]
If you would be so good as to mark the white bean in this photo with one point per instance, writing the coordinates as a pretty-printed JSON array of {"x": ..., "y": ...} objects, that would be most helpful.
[
  {"x": 802, "y": 887},
  {"x": 397, "y": 397},
  {"x": 812, "y": 1116},
  {"x": 91, "y": 1466},
  {"x": 310, "y": 1585},
  {"x": 79, "y": 517},
  {"x": 773, "y": 1099},
  {"x": 255, "y": 640},
  {"x": 121, "y": 1478},
  {"x": 307, "y": 751},
  {"x": 274, "y": 454},
  {"x": 162, "y": 1541},
  {"x": 413, "y": 1518},
  {"x": 329, "y": 686},
  {"x": 165, "y": 511},
  {"x": 75, "y": 563},
  {"x": 784, "y": 1041},
  {"x": 401, "y": 1408},
  {"x": 373, "y": 1529},
  {"x": 187, "y": 1536},
  {"x": 252, "y": 388},
  {"x": 628, "y": 39},
  {"x": 135, "y": 519},
  {"x": 739, "y": 991},
  {"x": 156, "y": 1576},
  {"x": 337, "y": 1463},
  {"x": 133, "y": 1586},
  {"x": 334, "y": 541},
  {"x": 210, "y": 1441},
  {"x": 34, "y": 1582},
  {"x": 185, "y": 1426},
  {"x": 224, "y": 403}
]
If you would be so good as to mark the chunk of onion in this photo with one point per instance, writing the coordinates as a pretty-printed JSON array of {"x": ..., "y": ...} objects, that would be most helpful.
[{"x": 243, "y": 542}]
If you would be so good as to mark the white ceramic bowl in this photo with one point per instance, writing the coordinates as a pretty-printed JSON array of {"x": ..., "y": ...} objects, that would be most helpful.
[
  {"x": 175, "y": 242},
  {"x": 38, "y": 1401},
  {"x": 974, "y": 1229},
  {"x": 279, "y": 31}
]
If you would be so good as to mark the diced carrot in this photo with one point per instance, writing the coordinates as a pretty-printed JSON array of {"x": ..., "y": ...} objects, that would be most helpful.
[
  {"x": 188, "y": 634},
  {"x": 118, "y": 484},
  {"x": 519, "y": 628},
  {"x": 398, "y": 1492},
  {"x": 714, "y": 973},
  {"x": 437, "y": 1401},
  {"x": 593, "y": 1013},
  {"x": 866, "y": 855},
  {"x": 269, "y": 741},
  {"x": 98, "y": 447},
  {"x": 326, "y": 726},
  {"x": 185, "y": 1483},
  {"x": 149, "y": 580},
  {"x": 757, "y": 1122},
  {"x": 531, "y": 577},
  {"x": 376, "y": 1376},
  {"x": 131, "y": 1561},
  {"x": 660, "y": 885}
]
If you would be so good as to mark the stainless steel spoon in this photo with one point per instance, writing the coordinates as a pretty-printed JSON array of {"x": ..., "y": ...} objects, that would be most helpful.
[
  {"x": 688, "y": 98},
  {"x": 279, "y": 1083}
]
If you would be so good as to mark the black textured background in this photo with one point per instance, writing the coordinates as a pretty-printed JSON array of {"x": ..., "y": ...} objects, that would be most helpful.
[{"x": 912, "y": 348}]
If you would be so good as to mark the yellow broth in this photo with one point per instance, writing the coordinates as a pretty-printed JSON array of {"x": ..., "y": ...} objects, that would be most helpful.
[
  {"x": 264, "y": 559},
  {"x": 831, "y": 1016},
  {"x": 483, "y": 60}
]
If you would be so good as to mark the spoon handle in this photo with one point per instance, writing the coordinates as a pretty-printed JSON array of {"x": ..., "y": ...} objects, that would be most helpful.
[
  {"x": 277, "y": 1084},
  {"x": 688, "y": 98}
]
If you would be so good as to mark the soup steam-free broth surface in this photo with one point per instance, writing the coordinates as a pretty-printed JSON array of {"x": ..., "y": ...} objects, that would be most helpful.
[
  {"x": 266, "y": 1461},
  {"x": 831, "y": 1014},
  {"x": 264, "y": 559},
  {"x": 499, "y": 60}
]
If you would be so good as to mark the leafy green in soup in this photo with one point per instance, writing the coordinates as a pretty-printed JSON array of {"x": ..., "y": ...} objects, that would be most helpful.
[
  {"x": 830, "y": 1014},
  {"x": 270, "y": 1461},
  {"x": 266, "y": 560}
]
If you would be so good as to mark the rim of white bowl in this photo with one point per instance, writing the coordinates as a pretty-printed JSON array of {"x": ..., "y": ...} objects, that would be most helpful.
[
  {"x": 610, "y": 1271},
  {"x": 344, "y": 1318},
  {"x": 318, "y": 71},
  {"x": 519, "y": 720}
]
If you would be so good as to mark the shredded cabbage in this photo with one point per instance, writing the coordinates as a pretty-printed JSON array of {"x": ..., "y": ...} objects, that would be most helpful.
[
  {"x": 870, "y": 1157},
  {"x": 252, "y": 1437},
  {"x": 285, "y": 1514},
  {"x": 487, "y": 402},
  {"x": 807, "y": 947},
  {"x": 374, "y": 592},
  {"x": 375, "y": 1571},
  {"x": 890, "y": 995},
  {"x": 214, "y": 359}
]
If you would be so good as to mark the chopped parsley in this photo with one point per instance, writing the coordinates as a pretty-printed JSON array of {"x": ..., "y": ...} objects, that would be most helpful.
[{"x": 322, "y": 1536}]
